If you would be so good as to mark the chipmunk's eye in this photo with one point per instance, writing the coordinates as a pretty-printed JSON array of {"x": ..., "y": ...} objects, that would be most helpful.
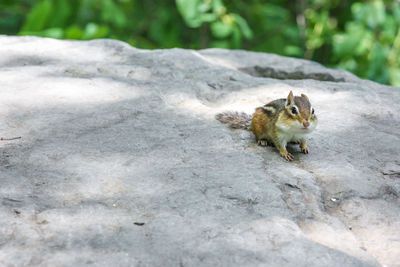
[
  {"x": 294, "y": 110},
  {"x": 312, "y": 111}
]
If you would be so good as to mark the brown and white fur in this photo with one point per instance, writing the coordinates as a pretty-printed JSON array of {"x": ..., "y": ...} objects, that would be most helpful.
[{"x": 284, "y": 120}]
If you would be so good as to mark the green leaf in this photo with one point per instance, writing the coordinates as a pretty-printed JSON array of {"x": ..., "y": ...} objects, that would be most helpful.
[
  {"x": 61, "y": 11},
  {"x": 396, "y": 13},
  {"x": 344, "y": 44},
  {"x": 314, "y": 42},
  {"x": 243, "y": 26},
  {"x": 372, "y": 14},
  {"x": 209, "y": 17},
  {"x": 365, "y": 44},
  {"x": 274, "y": 12},
  {"x": 348, "y": 64},
  {"x": 389, "y": 30},
  {"x": 113, "y": 14},
  {"x": 360, "y": 11},
  {"x": 220, "y": 29},
  {"x": 378, "y": 70},
  {"x": 378, "y": 12},
  {"x": 203, "y": 7},
  {"x": 74, "y": 32},
  {"x": 57, "y": 33},
  {"x": 236, "y": 38},
  {"x": 394, "y": 76},
  {"x": 92, "y": 31},
  {"x": 38, "y": 17},
  {"x": 291, "y": 50},
  {"x": 187, "y": 8},
  {"x": 218, "y": 7},
  {"x": 189, "y": 11}
]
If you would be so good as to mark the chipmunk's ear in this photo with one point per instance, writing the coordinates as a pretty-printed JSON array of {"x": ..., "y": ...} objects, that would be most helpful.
[
  {"x": 289, "y": 100},
  {"x": 269, "y": 110},
  {"x": 306, "y": 97}
]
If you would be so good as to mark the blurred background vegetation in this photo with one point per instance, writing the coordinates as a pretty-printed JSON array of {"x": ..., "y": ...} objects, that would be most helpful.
[{"x": 360, "y": 36}]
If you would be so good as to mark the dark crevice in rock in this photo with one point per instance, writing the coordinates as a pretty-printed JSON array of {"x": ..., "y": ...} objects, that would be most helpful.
[
  {"x": 267, "y": 72},
  {"x": 394, "y": 175},
  {"x": 292, "y": 186}
]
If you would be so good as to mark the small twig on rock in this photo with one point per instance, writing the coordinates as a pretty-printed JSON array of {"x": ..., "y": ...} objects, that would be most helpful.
[{"x": 7, "y": 139}]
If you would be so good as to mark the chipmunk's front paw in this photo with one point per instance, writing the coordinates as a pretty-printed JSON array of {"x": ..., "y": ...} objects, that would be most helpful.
[
  {"x": 262, "y": 142},
  {"x": 287, "y": 156},
  {"x": 304, "y": 148}
]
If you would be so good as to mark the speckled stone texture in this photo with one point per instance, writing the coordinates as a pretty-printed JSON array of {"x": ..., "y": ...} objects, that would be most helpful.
[{"x": 122, "y": 163}]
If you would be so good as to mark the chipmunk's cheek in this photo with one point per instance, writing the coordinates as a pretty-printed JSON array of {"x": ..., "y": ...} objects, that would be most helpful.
[
  {"x": 313, "y": 124},
  {"x": 294, "y": 124},
  {"x": 298, "y": 124}
]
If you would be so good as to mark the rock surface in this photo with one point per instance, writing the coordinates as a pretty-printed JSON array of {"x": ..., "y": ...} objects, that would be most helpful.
[{"x": 121, "y": 162}]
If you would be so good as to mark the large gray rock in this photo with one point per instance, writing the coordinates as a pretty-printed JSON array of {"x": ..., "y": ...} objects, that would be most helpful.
[{"x": 121, "y": 162}]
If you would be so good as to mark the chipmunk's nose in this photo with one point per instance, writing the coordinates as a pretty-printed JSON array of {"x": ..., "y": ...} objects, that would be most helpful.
[{"x": 306, "y": 124}]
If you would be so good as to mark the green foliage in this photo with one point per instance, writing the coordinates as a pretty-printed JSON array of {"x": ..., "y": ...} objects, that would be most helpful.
[
  {"x": 196, "y": 12},
  {"x": 228, "y": 29},
  {"x": 369, "y": 46},
  {"x": 360, "y": 36}
]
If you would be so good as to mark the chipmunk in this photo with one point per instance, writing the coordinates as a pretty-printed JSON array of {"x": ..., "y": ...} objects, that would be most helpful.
[{"x": 277, "y": 123}]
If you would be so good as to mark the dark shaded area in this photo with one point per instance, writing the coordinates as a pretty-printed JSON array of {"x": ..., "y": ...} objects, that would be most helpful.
[{"x": 268, "y": 72}]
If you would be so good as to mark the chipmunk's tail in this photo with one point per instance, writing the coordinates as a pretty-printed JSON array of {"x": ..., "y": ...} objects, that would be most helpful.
[{"x": 235, "y": 120}]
